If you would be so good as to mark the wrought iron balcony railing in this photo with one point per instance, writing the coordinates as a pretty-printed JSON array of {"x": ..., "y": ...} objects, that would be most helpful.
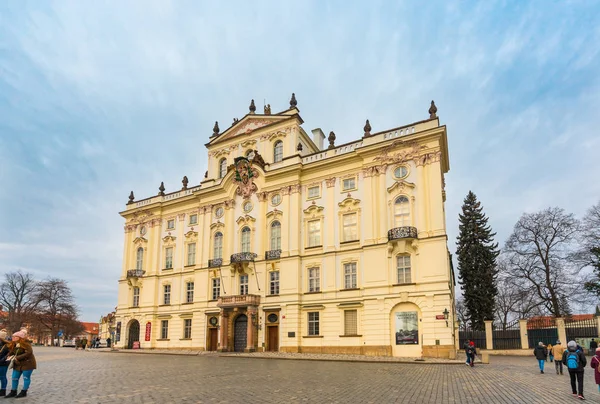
[
  {"x": 135, "y": 273},
  {"x": 243, "y": 257},
  {"x": 272, "y": 254},
  {"x": 238, "y": 301},
  {"x": 216, "y": 262},
  {"x": 402, "y": 232}
]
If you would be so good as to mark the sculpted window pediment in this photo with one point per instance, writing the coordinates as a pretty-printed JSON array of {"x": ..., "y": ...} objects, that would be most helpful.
[
  {"x": 401, "y": 185},
  {"x": 191, "y": 235},
  {"x": 274, "y": 214},
  {"x": 169, "y": 240},
  {"x": 249, "y": 142},
  {"x": 349, "y": 203},
  {"x": 140, "y": 240},
  {"x": 314, "y": 211},
  {"x": 245, "y": 220},
  {"x": 217, "y": 225}
]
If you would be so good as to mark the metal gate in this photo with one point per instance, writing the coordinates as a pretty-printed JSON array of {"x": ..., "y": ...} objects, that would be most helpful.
[
  {"x": 577, "y": 327},
  {"x": 541, "y": 329},
  {"x": 507, "y": 336},
  {"x": 478, "y": 337},
  {"x": 240, "y": 333},
  {"x": 134, "y": 333}
]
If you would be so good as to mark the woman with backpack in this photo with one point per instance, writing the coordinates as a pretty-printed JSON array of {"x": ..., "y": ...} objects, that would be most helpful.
[
  {"x": 24, "y": 363},
  {"x": 575, "y": 361},
  {"x": 595, "y": 364}
]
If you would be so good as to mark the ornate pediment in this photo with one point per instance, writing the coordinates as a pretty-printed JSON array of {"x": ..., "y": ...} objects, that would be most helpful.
[
  {"x": 141, "y": 216},
  {"x": 349, "y": 203},
  {"x": 169, "y": 239},
  {"x": 313, "y": 211},
  {"x": 245, "y": 220},
  {"x": 217, "y": 225},
  {"x": 191, "y": 235},
  {"x": 401, "y": 185},
  {"x": 140, "y": 240},
  {"x": 274, "y": 214}
]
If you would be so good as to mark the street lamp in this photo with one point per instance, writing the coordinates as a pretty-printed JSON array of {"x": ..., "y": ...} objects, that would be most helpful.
[{"x": 446, "y": 313}]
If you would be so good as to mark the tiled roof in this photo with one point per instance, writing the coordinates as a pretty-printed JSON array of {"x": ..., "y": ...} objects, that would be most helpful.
[{"x": 91, "y": 328}]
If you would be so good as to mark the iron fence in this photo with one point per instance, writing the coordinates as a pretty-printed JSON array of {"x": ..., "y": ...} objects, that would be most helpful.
[
  {"x": 577, "y": 328},
  {"x": 507, "y": 336},
  {"x": 541, "y": 329},
  {"x": 478, "y": 337}
]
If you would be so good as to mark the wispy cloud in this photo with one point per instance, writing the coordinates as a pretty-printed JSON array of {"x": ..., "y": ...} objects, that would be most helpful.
[{"x": 98, "y": 98}]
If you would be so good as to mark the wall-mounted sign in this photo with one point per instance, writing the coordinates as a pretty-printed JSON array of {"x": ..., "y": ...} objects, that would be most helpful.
[
  {"x": 291, "y": 334},
  {"x": 148, "y": 331},
  {"x": 407, "y": 328},
  {"x": 440, "y": 317}
]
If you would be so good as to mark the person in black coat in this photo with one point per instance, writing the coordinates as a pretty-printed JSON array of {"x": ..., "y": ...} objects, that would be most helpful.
[
  {"x": 575, "y": 361},
  {"x": 593, "y": 347},
  {"x": 541, "y": 353}
]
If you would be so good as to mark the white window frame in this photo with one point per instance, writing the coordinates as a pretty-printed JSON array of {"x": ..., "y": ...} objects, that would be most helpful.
[
  {"x": 166, "y": 294},
  {"x": 313, "y": 323},
  {"x": 136, "y": 296},
  {"x": 216, "y": 288},
  {"x": 187, "y": 328},
  {"x": 274, "y": 283},
  {"x": 191, "y": 256},
  {"x": 244, "y": 284},
  {"x": 275, "y": 241},
  {"x": 139, "y": 259},
  {"x": 222, "y": 167},
  {"x": 189, "y": 292},
  {"x": 218, "y": 245},
  {"x": 195, "y": 221},
  {"x": 170, "y": 224},
  {"x": 314, "y": 233},
  {"x": 314, "y": 279},
  {"x": 350, "y": 229},
  {"x": 245, "y": 237},
  {"x": 164, "y": 329},
  {"x": 346, "y": 187},
  {"x": 403, "y": 269},
  {"x": 350, "y": 275},
  {"x": 310, "y": 194},
  {"x": 402, "y": 211},
  {"x": 278, "y": 151},
  {"x": 169, "y": 257}
]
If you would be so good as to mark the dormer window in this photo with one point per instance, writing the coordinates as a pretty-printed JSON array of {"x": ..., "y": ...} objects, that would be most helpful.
[
  {"x": 278, "y": 151},
  {"x": 222, "y": 167}
]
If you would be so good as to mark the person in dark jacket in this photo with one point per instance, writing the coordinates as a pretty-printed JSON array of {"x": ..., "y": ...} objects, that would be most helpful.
[
  {"x": 593, "y": 347},
  {"x": 541, "y": 353},
  {"x": 575, "y": 361},
  {"x": 466, "y": 348},
  {"x": 4, "y": 350},
  {"x": 595, "y": 364},
  {"x": 24, "y": 364}
]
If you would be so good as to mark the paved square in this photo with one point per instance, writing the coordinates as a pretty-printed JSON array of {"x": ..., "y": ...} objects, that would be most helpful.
[{"x": 68, "y": 376}]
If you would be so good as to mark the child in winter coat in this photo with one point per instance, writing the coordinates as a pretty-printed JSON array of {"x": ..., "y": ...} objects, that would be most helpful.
[{"x": 595, "y": 363}]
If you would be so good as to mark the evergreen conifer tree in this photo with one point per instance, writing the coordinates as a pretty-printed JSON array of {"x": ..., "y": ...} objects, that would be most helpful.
[{"x": 476, "y": 252}]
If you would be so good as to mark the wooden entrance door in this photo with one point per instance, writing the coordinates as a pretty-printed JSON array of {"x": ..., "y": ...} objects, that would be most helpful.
[
  {"x": 213, "y": 335},
  {"x": 240, "y": 333},
  {"x": 134, "y": 333},
  {"x": 273, "y": 336}
]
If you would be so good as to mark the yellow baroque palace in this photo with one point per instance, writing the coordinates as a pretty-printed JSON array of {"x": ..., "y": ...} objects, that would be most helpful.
[{"x": 292, "y": 243}]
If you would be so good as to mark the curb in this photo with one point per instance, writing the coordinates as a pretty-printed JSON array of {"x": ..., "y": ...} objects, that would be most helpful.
[{"x": 343, "y": 360}]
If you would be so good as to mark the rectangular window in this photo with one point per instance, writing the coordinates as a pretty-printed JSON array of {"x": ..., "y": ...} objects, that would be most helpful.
[
  {"x": 350, "y": 227},
  {"x": 314, "y": 192},
  {"x": 187, "y": 328},
  {"x": 274, "y": 282},
  {"x": 349, "y": 184},
  {"x": 314, "y": 233},
  {"x": 243, "y": 284},
  {"x": 350, "y": 275},
  {"x": 313, "y": 323},
  {"x": 314, "y": 280},
  {"x": 194, "y": 219},
  {"x": 189, "y": 298},
  {"x": 170, "y": 224},
  {"x": 403, "y": 266},
  {"x": 167, "y": 294},
  {"x": 136, "y": 296},
  {"x": 216, "y": 288},
  {"x": 169, "y": 258},
  {"x": 191, "y": 258},
  {"x": 350, "y": 322},
  {"x": 164, "y": 329}
]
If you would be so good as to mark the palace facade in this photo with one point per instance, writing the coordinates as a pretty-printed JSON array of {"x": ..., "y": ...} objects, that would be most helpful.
[{"x": 293, "y": 243}]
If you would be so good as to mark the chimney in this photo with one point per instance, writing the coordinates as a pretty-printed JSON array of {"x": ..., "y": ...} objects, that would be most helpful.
[{"x": 318, "y": 137}]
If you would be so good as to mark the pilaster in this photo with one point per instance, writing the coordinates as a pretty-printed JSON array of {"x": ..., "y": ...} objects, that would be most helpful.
[
  {"x": 562, "y": 332},
  {"x": 489, "y": 336},
  {"x": 523, "y": 330}
]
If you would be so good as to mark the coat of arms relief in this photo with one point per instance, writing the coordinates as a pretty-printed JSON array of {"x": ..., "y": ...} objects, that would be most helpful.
[{"x": 244, "y": 176}]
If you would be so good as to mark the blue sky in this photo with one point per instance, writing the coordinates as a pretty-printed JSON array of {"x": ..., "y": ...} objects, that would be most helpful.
[{"x": 99, "y": 98}]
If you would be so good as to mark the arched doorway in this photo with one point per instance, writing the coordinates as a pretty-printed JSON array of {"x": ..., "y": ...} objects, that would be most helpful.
[
  {"x": 133, "y": 334},
  {"x": 407, "y": 332},
  {"x": 240, "y": 333}
]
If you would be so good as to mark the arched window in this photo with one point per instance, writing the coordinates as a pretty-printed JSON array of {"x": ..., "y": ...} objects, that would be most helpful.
[
  {"x": 275, "y": 235},
  {"x": 246, "y": 239},
  {"x": 222, "y": 167},
  {"x": 401, "y": 212},
  {"x": 218, "y": 245},
  {"x": 140, "y": 258},
  {"x": 278, "y": 151}
]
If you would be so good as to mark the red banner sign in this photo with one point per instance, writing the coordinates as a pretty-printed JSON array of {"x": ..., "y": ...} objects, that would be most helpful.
[
  {"x": 440, "y": 317},
  {"x": 148, "y": 330}
]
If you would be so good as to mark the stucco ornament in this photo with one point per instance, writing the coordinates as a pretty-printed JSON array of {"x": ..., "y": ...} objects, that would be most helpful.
[{"x": 244, "y": 177}]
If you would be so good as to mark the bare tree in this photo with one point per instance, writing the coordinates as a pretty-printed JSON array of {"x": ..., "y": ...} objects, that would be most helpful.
[
  {"x": 590, "y": 234},
  {"x": 56, "y": 305},
  {"x": 461, "y": 314},
  {"x": 541, "y": 254},
  {"x": 18, "y": 298}
]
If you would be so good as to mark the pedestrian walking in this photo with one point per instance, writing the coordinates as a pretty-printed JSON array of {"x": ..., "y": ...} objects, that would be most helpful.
[
  {"x": 24, "y": 364},
  {"x": 108, "y": 342},
  {"x": 77, "y": 343},
  {"x": 540, "y": 352},
  {"x": 593, "y": 347},
  {"x": 466, "y": 348},
  {"x": 575, "y": 361},
  {"x": 4, "y": 351},
  {"x": 557, "y": 352},
  {"x": 472, "y": 352},
  {"x": 595, "y": 363},
  {"x": 550, "y": 354}
]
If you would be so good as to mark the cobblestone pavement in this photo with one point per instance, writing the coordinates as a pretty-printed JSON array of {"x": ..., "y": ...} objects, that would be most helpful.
[{"x": 68, "y": 376}]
